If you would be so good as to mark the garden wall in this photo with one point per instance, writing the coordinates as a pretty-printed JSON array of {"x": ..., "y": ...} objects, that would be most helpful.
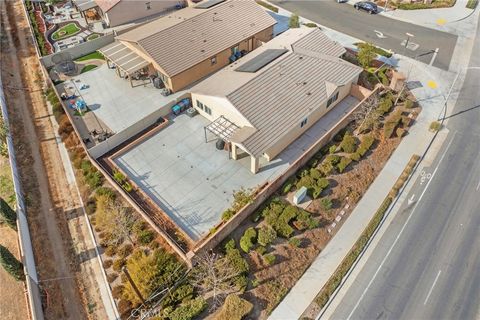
[
  {"x": 267, "y": 190},
  {"x": 81, "y": 49},
  {"x": 122, "y": 136}
]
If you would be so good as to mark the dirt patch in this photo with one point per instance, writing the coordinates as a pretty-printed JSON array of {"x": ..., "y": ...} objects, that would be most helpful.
[{"x": 53, "y": 208}]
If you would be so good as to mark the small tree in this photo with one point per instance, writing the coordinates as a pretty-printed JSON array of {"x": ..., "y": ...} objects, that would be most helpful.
[
  {"x": 294, "y": 21},
  {"x": 115, "y": 219},
  {"x": 8, "y": 215},
  {"x": 366, "y": 54},
  {"x": 367, "y": 117},
  {"x": 214, "y": 275},
  {"x": 11, "y": 264},
  {"x": 326, "y": 203}
]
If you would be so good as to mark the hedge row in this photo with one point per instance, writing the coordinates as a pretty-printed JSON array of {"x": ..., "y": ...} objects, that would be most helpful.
[{"x": 267, "y": 5}]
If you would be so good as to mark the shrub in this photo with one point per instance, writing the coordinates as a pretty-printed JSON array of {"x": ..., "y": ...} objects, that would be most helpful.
[
  {"x": 248, "y": 239},
  {"x": 435, "y": 126},
  {"x": 107, "y": 263},
  {"x": 118, "y": 176},
  {"x": 125, "y": 250},
  {"x": 266, "y": 235},
  {"x": 472, "y": 4},
  {"x": 391, "y": 124},
  {"x": 181, "y": 294},
  {"x": 377, "y": 50},
  {"x": 310, "y": 25},
  {"x": 112, "y": 277},
  {"x": 400, "y": 132},
  {"x": 323, "y": 183},
  {"x": 106, "y": 192},
  {"x": 117, "y": 292},
  {"x": 94, "y": 179},
  {"x": 267, "y": 5},
  {"x": 343, "y": 164},
  {"x": 127, "y": 186},
  {"x": 385, "y": 105},
  {"x": 315, "y": 173},
  {"x": 145, "y": 236},
  {"x": 241, "y": 198},
  {"x": 302, "y": 220},
  {"x": 332, "y": 149},
  {"x": 261, "y": 250},
  {"x": 295, "y": 242},
  {"x": 118, "y": 264},
  {"x": 189, "y": 309},
  {"x": 11, "y": 264},
  {"x": 229, "y": 245},
  {"x": 234, "y": 308},
  {"x": 124, "y": 307},
  {"x": 227, "y": 214},
  {"x": 110, "y": 251},
  {"x": 383, "y": 77},
  {"x": 348, "y": 143},
  {"x": 326, "y": 203},
  {"x": 294, "y": 21},
  {"x": 326, "y": 167},
  {"x": 7, "y": 214},
  {"x": 269, "y": 259},
  {"x": 307, "y": 182}
]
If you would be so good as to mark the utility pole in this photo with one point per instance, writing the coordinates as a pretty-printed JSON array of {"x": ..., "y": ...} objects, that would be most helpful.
[{"x": 134, "y": 286}]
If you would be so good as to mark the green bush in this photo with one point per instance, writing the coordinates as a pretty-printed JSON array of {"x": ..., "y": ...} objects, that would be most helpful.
[
  {"x": 355, "y": 156},
  {"x": 385, "y": 105},
  {"x": 234, "y": 308},
  {"x": 472, "y": 4},
  {"x": 315, "y": 173},
  {"x": 307, "y": 182},
  {"x": 326, "y": 203},
  {"x": 392, "y": 123},
  {"x": 303, "y": 220},
  {"x": 295, "y": 242},
  {"x": 11, "y": 264},
  {"x": 294, "y": 21},
  {"x": 145, "y": 236},
  {"x": 181, "y": 294},
  {"x": 229, "y": 245},
  {"x": 189, "y": 309},
  {"x": 348, "y": 143},
  {"x": 269, "y": 259},
  {"x": 326, "y": 167},
  {"x": 105, "y": 192},
  {"x": 227, "y": 214},
  {"x": 383, "y": 77},
  {"x": 323, "y": 183},
  {"x": 248, "y": 239},
  {"x": 127, "y": 186},
  {"x": 366, "y": 54},
  {"x": 118, "y": 264},
  {"x": 332, "y": 149},
  {"x": 7, "y": 214},
  {"x": 118, "y": 176},
  {"x": 267, "y": 5},
  {"x": 343, "y": 164},
  {"x": 375, "y": 49},
  {"x": 266, "y": 235},
  {"x": 310, "y": 25},
  {"x": 288, "y": 186},
  {"x": 435, "y": 126}
]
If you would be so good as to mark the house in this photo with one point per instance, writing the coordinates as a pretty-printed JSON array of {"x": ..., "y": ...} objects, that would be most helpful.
[
  {"x": 189, "y": 44},
  {"x": 263, "y": 102},
  {"x": 118, "y": 12}
]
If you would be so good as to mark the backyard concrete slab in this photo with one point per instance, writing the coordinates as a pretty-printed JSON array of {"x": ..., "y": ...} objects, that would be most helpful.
[
  {"x": 115, "y": 102},
  {"x": 193, "y": 182}
]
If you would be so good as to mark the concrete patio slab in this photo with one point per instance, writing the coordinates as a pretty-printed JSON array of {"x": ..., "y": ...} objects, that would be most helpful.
[
  {"x": 192, "y": 181},
  {"x": 115, "y": 102}
]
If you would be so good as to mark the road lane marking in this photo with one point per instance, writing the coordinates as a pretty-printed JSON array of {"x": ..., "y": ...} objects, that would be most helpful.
[
  {"x": 380, "y": 34},
  {"x": 434, "y": 56},
  {"x": 433, "y": 285},
  {"x": 400, "y": 233},
  {"x": 478, "y": 185},
  {"x": 411, "y": 200}
]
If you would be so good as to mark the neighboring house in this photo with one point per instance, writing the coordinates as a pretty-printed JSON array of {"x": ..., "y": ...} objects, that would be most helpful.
[
  {"x": 118, "y": 12},
  {"x": 266, "y": 100},
  {"x": 189, "y": 44}
]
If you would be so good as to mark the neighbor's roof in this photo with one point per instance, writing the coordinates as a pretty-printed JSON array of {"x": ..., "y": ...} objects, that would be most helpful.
[
  {"x": 187, "y": 37},
  {"x": 106, "y": 5},
  {"x": 84, "y": 5},
  {"x": 287, "y": 90}
]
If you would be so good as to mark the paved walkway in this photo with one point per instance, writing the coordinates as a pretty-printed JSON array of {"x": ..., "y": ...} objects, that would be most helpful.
[{"x": 433, "y": 85}]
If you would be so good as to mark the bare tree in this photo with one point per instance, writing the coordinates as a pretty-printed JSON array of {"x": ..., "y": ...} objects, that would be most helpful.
[
  {"x": 366, "y": 116},
  {"x": 117, "y": 220},
  {"x": 214, "y": 275}
]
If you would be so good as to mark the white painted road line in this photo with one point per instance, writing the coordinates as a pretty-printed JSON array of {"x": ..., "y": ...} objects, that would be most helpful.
[
  {"x": 401, "y": 231},
  {"x": 478, "y": 186},
  {"x": 433, "y": 285}
]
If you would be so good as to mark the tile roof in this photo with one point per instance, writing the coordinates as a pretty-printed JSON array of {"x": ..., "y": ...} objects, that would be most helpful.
[
  {"x": 106, "y": 5},
  {"x": 287, "y": 93},
  {"x": 189, "y": 36}
]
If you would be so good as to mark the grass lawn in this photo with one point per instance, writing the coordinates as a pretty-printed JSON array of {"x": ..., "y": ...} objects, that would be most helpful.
[
  {"x": 65, "y": 31},
  {"x": 88, "y": 68},
  {"x": 93, "y": 36},
  {"x": 93, "y": 55}
]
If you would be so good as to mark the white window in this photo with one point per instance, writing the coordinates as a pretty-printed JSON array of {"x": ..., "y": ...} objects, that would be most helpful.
[
  {"x": 332, "y": 99},
  {"x": 213, "y": 60},
  {"x": 199, "y": 105},
  {"x": 304, "y": 122},
  {"x": 147, "y": 4},
  {"x": 235, "y": 49},
  {"x": 208, "y": 110}
]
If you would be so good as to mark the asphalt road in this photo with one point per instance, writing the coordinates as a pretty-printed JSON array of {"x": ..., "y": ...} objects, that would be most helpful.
[
  {"x": 427, "y": 265},
  {"x": 361, "y": 25}
]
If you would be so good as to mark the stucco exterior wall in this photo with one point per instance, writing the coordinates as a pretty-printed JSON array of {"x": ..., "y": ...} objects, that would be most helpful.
[
  {"x": 220, "y": 106},
  {"x": 297, "y": 130},
  {"x": 128, "y": 11}
]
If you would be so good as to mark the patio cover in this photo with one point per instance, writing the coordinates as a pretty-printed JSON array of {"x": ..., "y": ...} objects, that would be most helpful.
[
  {"x": 84, "y": 5},
  {"x": 222, "y": 128},
  {"x": 123, "y": 57}
]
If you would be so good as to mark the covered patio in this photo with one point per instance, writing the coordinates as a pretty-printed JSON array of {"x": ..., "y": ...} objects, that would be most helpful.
[{"x": 128, "y": 64}]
